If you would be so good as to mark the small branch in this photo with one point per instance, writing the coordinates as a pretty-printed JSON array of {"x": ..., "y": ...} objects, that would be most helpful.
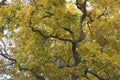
[
  {"x": 65, "y": 65},
  {"x": 104, "y": 13},
  {"x": 41, "y": 77},
  {"x": 93, "y": 73},
  {"x": 57, "y": 37},
  {"x": 74, "y": 77},
  {"x": 13, "y": 61},
  {"x": 21, "y": 68},
  {"x": 34, "y": 73},
  {"x": 2, "y": 2},
  {"x": 108, "y": 76},
  {"x": 47, "y": 14},
  {"x": 50, "y": 36},
  {"x": 71, "y": 32},
  {"x": 3, "y": 52},
  {"x": 90, "y": 18},
  {"x": 59, "y": 65},
  {"x": 105, "y": 41},
  {"x": 30, "y": 20}
]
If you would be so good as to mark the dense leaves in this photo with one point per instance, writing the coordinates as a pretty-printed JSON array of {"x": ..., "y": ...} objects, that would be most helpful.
[{"x": 61, "y": 40}]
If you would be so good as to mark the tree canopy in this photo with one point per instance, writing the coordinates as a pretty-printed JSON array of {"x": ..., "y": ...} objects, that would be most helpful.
[{"x": 60, "y": 39}]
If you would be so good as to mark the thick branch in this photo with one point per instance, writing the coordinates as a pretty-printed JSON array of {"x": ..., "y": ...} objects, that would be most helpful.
[
  {"x": 82, "y": 35},
  {"x": 75, "y": 54},
  {"x": 76, "y": 57},
  {"x": 82, "y": 7}
]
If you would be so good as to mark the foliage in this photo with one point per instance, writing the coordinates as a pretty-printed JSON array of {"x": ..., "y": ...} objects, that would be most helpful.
[{"x": 60, "y": 40}]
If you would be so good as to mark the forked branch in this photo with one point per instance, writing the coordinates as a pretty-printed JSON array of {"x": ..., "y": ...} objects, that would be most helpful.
[{"x": 42, "y": 34}]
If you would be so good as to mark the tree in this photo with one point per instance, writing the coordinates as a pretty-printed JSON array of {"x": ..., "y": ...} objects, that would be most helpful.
[{"x": 60, "y": 40}]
